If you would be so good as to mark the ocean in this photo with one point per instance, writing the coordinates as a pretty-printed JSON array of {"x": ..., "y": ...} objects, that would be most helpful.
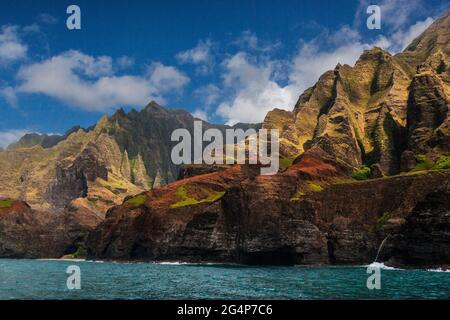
[{"x": 47, "y": 279}]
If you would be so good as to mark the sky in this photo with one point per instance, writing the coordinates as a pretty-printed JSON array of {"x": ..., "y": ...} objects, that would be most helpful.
[{"x": 225, "y": 61}]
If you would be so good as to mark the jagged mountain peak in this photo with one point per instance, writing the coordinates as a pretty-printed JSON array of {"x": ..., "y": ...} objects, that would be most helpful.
[
  {"x": 154, "y": 107},
  {"x": 359, "y": 115}
]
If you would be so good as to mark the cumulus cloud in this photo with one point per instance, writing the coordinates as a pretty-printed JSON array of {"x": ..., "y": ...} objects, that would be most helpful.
[
  {"x": 200, "y": 55},
  {"x": 166, "y": 78},
  {"x": 11, "y": 46},
  {"x": 89, "y": 82},
  {"x": 11, "y": 136},
  {"x": 255, "y": 91}
]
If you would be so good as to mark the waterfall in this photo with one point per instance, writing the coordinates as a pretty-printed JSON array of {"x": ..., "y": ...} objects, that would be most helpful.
[{"x": 381, "y": 247}]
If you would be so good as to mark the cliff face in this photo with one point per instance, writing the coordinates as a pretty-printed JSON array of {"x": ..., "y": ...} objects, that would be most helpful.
[
  {"x": 302, "y": 216},
  {"x": 423, "y": 240},
  {"x": 28, "y": 233}
]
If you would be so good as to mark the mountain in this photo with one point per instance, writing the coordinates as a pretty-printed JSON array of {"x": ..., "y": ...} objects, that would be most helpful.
[
  {"x": 366, "y": 159},
  {"x": 146, "y": 134},
  {"x": 120, "y": 156},
  {"x": 44, "y": 140},
  {"x": 376, "y": 111}
]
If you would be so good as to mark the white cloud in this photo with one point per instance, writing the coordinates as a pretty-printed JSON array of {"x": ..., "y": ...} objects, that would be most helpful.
[
  {"x": 200, "y": 55},
  {"x": 255, "y": 92},
  {"x": 11, "y": 136},
  {"x": 166, "y": 78},
  {"x": 11, "y": 46},
  {"x": 89, "y": 82}
]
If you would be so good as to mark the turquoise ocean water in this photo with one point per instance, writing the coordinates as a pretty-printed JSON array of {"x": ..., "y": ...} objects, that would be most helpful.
[{"x": 46, "y": 279}]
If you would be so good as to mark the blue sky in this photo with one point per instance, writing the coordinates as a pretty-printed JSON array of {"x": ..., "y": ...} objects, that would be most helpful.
[{"x": 223, "y": 60}]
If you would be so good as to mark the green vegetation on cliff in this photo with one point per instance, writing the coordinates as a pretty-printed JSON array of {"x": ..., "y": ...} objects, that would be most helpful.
[
  {"x": 443, "y": 163},
  {"x": 81, "y": 253},
  {"x": 188, "y": 201},
  {"x": 381, "y": 222},
  {"x": 312, "y": 186},
  {"x": 423, "y": 163},
  {"x": 362, "y": 174},
  {"x": 286, "y": 162},
  {"x": 137, "y": 200},
  {"x": 5, "y": 203}
]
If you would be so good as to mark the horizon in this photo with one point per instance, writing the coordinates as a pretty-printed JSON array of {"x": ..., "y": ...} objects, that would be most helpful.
[{"x": 228, "y": 72}]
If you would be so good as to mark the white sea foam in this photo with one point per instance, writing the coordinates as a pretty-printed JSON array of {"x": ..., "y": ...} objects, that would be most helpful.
[
  {"x": 438, "y": 270},
  {"x": 382, "y": 266},
  {"x": 75, "y": 260},
  {"x": 72, "y": 260}
]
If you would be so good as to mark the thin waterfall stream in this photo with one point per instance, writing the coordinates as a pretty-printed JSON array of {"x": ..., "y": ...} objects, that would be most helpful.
[{"x": 381, "y": 246}]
